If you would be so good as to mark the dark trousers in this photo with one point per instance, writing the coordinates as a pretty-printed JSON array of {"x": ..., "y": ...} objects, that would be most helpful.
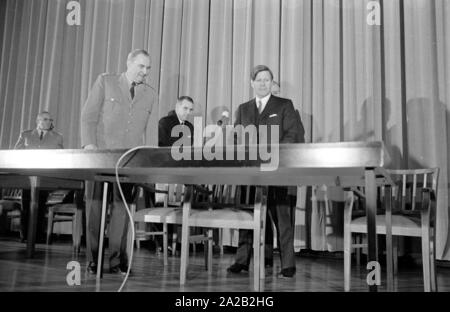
[
  {"x": 118, "y": 222},
  {"x": 41, "y": 226},
  {"x": 282, "y": 209}
]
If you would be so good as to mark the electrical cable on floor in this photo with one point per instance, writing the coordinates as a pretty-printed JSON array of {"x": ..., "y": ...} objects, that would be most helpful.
[{"x": 130, "y": 258}]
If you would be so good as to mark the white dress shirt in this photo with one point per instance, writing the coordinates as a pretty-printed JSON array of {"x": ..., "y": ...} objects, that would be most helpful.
[{"x": 263, "y": 101}]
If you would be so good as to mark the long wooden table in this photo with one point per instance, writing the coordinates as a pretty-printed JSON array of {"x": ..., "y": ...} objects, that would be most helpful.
[{"x": 343, "y": 164}]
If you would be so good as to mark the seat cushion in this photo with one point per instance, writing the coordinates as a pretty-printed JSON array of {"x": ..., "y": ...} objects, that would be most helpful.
[
  {"x": 159, "y": 215},
  {"x": 223, "y": 218},
  {"x": 217, "y": 218},
  {"x": 401, "y": 225}
]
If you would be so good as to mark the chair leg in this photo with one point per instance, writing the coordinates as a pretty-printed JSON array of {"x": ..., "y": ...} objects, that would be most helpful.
[
  {"x": 165, "y": 243},
  {"x": 257, "y": 260},
  {"x": 389, "y": 263},
  {"x": 395, "y": 255},
  {"x": 426, "y": 258},
  {"x": 185, "y": 229},
  {"x": 347, "y": 258},
  {"x": 49, "y": 225},
  {"x": 389, "y": 240},
  {"x": 77, "y": 225},
  {"x": 138, "y": 244},
  {"x": 206, "y": 251},
  {"x": 221, "y": 242},
  {"x": 22, "y": 227},
  {"x": 184, "y": 255},
  {"x": 174, "y": 243},
  {"x": 210, "y": 249},
  {"x": 358, "y": 239},
  {"x": 433, "y": 262},
  {"x": 258, "y": 231}
]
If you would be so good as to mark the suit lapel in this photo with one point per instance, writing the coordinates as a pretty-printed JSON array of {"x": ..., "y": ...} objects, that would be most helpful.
[
  {"x": 269, "y": 107},
  {"x": 252, "y": 111}
]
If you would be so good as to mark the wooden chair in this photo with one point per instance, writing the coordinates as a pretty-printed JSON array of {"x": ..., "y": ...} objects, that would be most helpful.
[
  {"x": 414, "y": 197},
  {"x": 10, "y": 202},
  {"x": 171, "y": 198},
  {"x": 61, "y": 211},
  {"x": 231, "y": 214}
]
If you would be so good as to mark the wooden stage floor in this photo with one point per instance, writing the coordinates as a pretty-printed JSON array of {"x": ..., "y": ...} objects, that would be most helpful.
[{"x": 47, "y": 271}]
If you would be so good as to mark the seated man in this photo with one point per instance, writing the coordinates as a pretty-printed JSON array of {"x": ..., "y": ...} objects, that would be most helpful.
[
  {"x": 183, "y": 108},
  {"x": 42, "y": 137}
]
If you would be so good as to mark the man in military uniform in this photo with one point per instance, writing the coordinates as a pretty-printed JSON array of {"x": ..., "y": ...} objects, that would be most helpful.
[
  {"x": 115, "y": 116},
  {"x": 42, "y": 137}
]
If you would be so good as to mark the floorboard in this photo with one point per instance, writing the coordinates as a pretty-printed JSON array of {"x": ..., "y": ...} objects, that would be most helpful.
[{"x": 47, "y": 271}]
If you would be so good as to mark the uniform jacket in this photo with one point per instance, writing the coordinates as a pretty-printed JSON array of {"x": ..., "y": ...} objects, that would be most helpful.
[
  {"x": 110, "y": 118},
  {"x": 30, "y": 139}
]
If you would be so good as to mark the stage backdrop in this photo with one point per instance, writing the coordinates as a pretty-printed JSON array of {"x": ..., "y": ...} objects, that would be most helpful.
[{"x": 350, "y": 80}]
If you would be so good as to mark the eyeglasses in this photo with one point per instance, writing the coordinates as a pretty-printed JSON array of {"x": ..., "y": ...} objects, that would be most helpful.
[{"x": 47, "y": 119}]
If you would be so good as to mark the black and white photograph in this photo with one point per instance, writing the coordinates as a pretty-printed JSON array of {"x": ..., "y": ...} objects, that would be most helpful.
[{"x": 224, "y": 151}]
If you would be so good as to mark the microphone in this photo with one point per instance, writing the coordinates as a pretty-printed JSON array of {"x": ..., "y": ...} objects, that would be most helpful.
[{"x": 225, "y": 118}]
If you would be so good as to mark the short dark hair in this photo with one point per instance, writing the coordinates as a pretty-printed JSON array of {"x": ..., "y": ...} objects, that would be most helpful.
[
  {"x": 185, "y": 98},
  {"x": 260, "y": 68},
  {"x": 134, "y": 53}
]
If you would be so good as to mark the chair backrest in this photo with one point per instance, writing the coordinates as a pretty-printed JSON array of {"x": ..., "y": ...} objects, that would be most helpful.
[
  {"x": 172, "y": 194},
  {"x": 407, "y": 191},
  {"x": 224, "y": 193},
  {"x": 329, "y": 194},
  {"x": 233, "y": 196},
  {"x": 59, "y": 197},
  {"x": 169, "y": 194},
  {"x": 175, "y": 193},
  {"x": 12, "y": 194}
]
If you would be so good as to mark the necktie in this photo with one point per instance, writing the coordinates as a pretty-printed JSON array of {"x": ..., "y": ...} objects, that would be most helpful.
[
  {"x": 133, "y": 84},
  {"x": 259, "y": 106},
  {"x": 41, "y": 136}
]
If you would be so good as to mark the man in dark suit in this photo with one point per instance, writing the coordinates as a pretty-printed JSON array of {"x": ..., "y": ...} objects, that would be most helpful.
[
  {"x": 115, "y": 115},
  {"x": 276, "y": 90},
  {"x": 177, "y": 117},
  {"x": 269, "y": 110},
  {"x": 183, "y": 108},
  {"x": 42, "y": 137}
]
